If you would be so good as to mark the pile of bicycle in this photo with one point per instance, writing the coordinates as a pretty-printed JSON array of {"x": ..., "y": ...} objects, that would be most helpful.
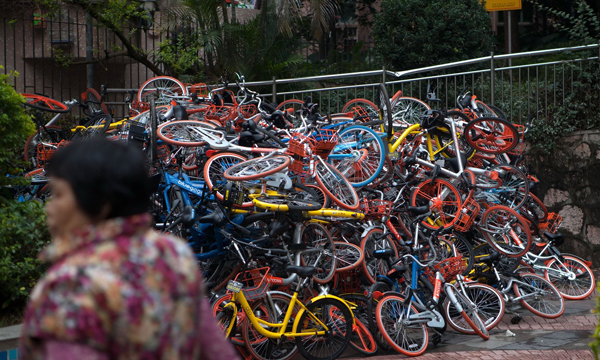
[{"x": 375, "y": 228}]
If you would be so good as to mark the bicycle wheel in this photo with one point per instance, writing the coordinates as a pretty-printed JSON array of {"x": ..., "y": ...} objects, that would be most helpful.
[
  {"x": 321, "y": 197},
  {"x": 94, "y": 103},
  {"x": 385, "y": 108},
  {"x": 491, "y": 135},
  {"x": 464, "y": 248},
  {"x": 361, "y": 107},
  {"x": 336, "y": 186},
  {"x": 161, "y": 87},
  {"x": 571, "y": 276},
  {"x": 188, "y": 133},
  {"x": 257, "y": 168},
  {"x": 471, "y": 317},
  {"x": 485, "y": 111},
  {"x": 539, "y": 296},
  {"x": 214, "y": 168},
  {"x": 506, "y": 231},
  {"x": 443, "y": 200},
  {"x": 337, "y": 319},
  {"x": 362, "y": 340},
  {"x": 348, "y": 256},
  {"x": 392, "y": 315},
  {"x": 489, "y": 304},
  {"x": 320, "y": 251},
  {"x": 295, "y": 104},
  {"x": 499, "y": 113},
  {"x": 226, "y": 321},
  {"x": 45, "y": 103},
  {"x": 374, "y": 294},
  {"x": 445, "y": 142},
  {"x": 364, "y": 155},
  {"x": 262, "y": 347},
  {"x": 95, "y": 126},
  {"x": 407, "y": 111},
  {"x": 512, "y": 191},
  {"x": 372, "y": 266}
]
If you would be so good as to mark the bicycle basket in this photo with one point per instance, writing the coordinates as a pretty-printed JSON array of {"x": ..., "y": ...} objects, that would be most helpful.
[
  {"x": 359, "y": 112},
  {"x": 255, "y": 283},
  {"x": 199, "y": 89},
  {"x": 376, "y": 208},
  {"x": 140, "y": 106},
  {"x": 449, "y": 268},
  {"x": 552, "y": 224},
  {"x": 46, "y": 150},
  {"x": 248, "y": 110},
  {"x": 518, "y": 150},
  {"x": 348, "y": 282},
  {"x": 324, "y": 142},
  {"x": 218, "y": 113},
  {"x": 297, "y": 149},
  {"x": 467, "y": 215}
]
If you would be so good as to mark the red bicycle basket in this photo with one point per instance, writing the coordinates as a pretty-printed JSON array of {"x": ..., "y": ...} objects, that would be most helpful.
[
  {"x": 219, "y": 113},
  {"x": 449, "y": 268},
  {"x": 324, "y": 142},
  {"x": 467, "y": 215},
  {"x": 297, "y": 150},
  {"x": 255, "y": 283},
  {"x": 552, "y": 224},
  {"x": 199, "y": 89},
  {"x": 248, "y": 110},
  {"x": 348, "y": 282},
  {"x": 376, "y": 208},
  {"x": 45, "y": 151}
]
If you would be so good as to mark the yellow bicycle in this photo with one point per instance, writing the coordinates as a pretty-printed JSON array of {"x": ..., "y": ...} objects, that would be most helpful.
[{"x": 279, "y": 326}]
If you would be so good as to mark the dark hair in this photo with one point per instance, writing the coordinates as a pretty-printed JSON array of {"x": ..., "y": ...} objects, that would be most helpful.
[{"x": 103, "y": 172}]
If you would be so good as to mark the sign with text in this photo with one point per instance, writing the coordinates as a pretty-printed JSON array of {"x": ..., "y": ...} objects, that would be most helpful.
[{"x": 502, "y": 5}]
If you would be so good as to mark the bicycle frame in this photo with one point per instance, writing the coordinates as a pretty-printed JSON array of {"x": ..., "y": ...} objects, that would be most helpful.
[{"x": 533, "y": 259}]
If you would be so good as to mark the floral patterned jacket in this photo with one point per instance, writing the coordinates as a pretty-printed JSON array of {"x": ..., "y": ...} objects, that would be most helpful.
[{"x": 126, "y": 292}]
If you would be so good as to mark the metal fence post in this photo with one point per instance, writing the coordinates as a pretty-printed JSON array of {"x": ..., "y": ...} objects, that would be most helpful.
[
  {"x": 492, "y": 78},
  {"x": 153, "y": 126},
  {"x": 274, "y": 89},
  {"x": 383, "y": 75}
]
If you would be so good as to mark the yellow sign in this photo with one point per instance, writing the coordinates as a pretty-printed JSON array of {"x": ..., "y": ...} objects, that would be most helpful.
[{"x": 502, "y": 5}]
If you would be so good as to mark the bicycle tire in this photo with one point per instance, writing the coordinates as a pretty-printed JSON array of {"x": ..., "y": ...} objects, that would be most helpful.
[
  {"x": 491, "y": 135},
  {"x": 362, "y": 340},
  {"x": 370, "y": 108},
  {"x": 161, "y": 85},
  {"x": 445, "y": 198},
  {"x": 374, "y": 294},
  {"x": 215, "y": 167},
  {"x": 336, "y": 186},
  {"x": 362, "y": 142},
  {"x": 90, "y": 94},
  {"x": 583, "y": 277},
  {"x": 485, "y": 110},
  {"x": 489, "y": 302},
  {"x": 178, "y": 132},
  {"x": 372, "y": 267},
  {"x": 261, "y": 347},
  {"x": 446, "y": 142},
  {"x": 44, "y": 103},
  {"x": 257, "y": 168},
  {"x": 335, "y": 315},
  {"x": 499, "y": 113},
  {"x": 224, "y": 319},
  {"x": 550, "y": 294},
  {"x": 95, "y": 126},
  {"x": 407, "y": 111},
  {"x": 471, "y": 318},
  {"x": 293, "y": 102},
  {"x": 348, "y": 256},
  {"x": 320, "y": 251},
  {"x": 322, "y": 197},
  {"x": 392, "y": 307},
  {"x": 503, "y": 236},
  {"x": 385, "y": 108}
]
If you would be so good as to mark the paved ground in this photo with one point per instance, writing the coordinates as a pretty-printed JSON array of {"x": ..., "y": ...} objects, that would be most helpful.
[{"x": 567, "y": 337}]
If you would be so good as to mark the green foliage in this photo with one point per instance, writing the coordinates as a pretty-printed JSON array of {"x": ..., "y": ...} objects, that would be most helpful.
[
  {"x": 23, "y": 235},
  {"x": 417, "y": 33},
  {"x": 181, "y": 54},
  {"x": 595, "y": 345},
  {"x": 15, "y": 127}
]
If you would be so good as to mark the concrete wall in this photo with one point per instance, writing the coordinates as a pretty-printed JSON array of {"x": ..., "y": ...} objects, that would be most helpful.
[{"x": 570, "y": 185}]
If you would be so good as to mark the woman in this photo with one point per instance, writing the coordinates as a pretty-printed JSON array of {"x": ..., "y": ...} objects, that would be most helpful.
[{"x": 114, "y": 289}]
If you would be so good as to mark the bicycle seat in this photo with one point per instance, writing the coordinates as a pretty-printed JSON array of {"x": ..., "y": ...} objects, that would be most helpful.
[
  {"x": 556, "y": 239},
  {"x": 418, "y": 210},
  {"x": 396, "y": 271},
  {"x": 180, "y": 113},
  {"x": 216, "y": 217},
  {"x": 302, "y": 271}
]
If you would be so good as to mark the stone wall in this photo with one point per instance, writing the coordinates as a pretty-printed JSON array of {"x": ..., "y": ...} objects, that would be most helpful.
[{"x": 570, "y": 185}]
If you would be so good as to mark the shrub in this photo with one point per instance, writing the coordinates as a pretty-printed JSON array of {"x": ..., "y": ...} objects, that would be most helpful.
[{"x": 416, "y": 33}]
